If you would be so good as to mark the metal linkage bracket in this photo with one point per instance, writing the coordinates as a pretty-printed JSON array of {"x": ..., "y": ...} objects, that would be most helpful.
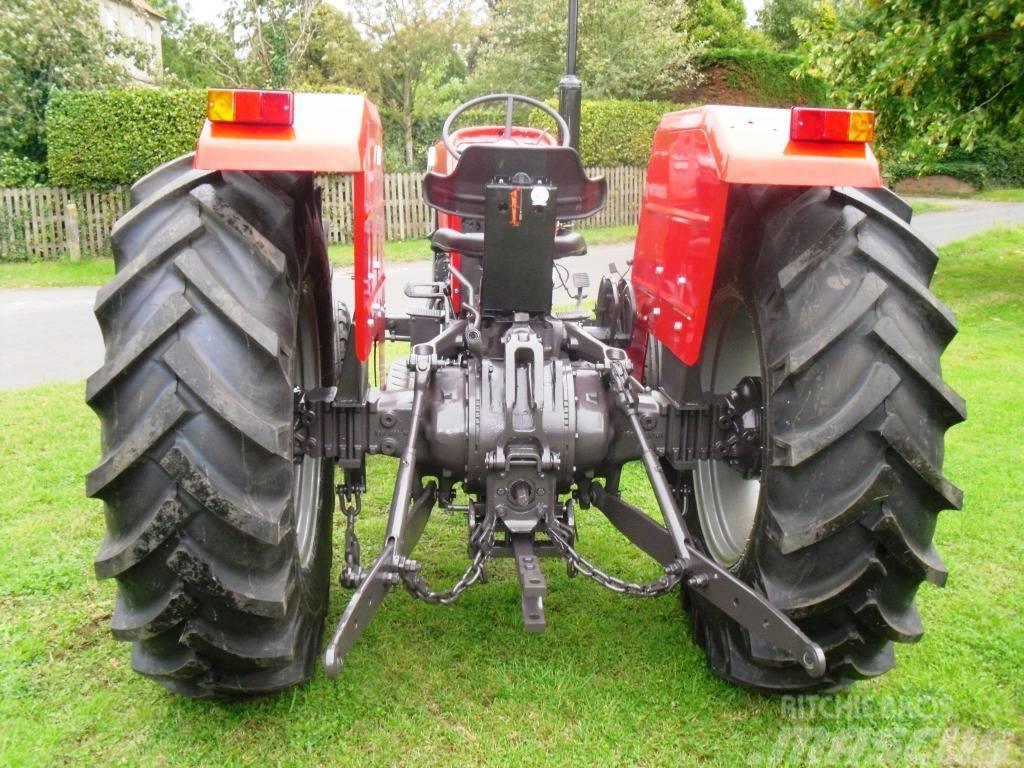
[
  {"x": 532, "y": 586},
  {"x": 747, "y": 607}
]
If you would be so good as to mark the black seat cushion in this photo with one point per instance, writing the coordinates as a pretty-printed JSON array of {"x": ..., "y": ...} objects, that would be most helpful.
[
  {"x": 463, "y": 192},
  {"x": 567, "y": 243}
]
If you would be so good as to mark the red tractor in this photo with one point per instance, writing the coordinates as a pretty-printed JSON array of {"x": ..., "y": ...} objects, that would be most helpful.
[{"x": 773, "y": 362}]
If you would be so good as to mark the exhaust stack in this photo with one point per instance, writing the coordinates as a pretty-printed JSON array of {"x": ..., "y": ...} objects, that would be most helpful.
[{"x": 570, "y": 89}]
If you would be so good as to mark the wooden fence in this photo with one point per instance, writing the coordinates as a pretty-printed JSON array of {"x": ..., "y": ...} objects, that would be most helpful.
[{"x": 51, "y": 223}]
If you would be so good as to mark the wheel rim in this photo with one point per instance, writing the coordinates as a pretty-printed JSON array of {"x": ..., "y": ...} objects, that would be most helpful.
[
  {"x": 308, "y": 472},
  {"x": 726, "y": 501}
]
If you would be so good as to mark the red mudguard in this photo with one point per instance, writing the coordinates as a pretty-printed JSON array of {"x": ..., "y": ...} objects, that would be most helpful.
[
  {"x": 696, "y": 155},
  {"x": 331, "y": 133}
]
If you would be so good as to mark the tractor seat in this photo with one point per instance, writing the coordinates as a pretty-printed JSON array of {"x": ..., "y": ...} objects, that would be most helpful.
[
  {"x": 567, "y": 243},
  {"x": 463, "y": 192}
]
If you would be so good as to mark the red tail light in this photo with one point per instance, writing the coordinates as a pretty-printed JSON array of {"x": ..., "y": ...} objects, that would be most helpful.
[
  {"x": 850, "y": 126},
  {"x": 244, "y": 106}
]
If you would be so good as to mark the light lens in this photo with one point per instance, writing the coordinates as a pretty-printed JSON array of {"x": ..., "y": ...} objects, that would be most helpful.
[
  {"x": 848, "y": 126},
  {"x": 247, "y": 106},
  {"x": 220, "y": 106}
]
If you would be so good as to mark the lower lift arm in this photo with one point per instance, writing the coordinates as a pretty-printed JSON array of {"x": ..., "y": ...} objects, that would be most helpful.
[{"x": 670, "y": 544}]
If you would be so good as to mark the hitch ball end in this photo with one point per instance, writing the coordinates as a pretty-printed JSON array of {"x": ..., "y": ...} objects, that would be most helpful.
[{"x": 813, "y": 660}]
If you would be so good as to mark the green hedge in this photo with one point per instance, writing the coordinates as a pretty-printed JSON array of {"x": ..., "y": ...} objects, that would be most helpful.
[
  {"x": 620, "y": 132},
  {"x": 993, "y": 163},
  {"x": 754, "y": 77},
  {"x": 612, "y": 132},
  {"x": 103, "y": 138}
]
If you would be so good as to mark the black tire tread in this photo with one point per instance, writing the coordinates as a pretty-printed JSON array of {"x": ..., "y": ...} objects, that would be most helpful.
[
  {"x": 851, "y": 337},
  {"x": 195, "y": 403}
]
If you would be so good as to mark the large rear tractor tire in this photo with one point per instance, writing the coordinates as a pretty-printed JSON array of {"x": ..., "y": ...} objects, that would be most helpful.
[
  {"x": 219, "y": 541},
  {"x": 836, "y": 319}
]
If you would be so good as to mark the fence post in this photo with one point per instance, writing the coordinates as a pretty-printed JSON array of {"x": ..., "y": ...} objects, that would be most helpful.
[{"x": 71, "y": 227}]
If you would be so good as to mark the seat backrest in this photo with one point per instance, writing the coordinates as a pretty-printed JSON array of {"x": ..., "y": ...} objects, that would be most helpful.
[{"x": 463, "y": 192}]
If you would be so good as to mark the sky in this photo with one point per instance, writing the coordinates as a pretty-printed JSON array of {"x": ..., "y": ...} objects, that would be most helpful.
[{"x": 209, "y": 10}]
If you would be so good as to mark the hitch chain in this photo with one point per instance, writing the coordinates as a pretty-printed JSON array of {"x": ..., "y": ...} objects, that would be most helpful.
[
  {"x": 352, "y": 502},
  {"x": 417, "y": 586},
  {"x": 655, "y": 588},
  {"x": 353, "y": 574}
]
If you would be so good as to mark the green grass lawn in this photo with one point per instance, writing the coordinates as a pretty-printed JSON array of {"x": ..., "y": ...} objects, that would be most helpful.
[
  {"x": 613, "y": 681},
  {"x": 1002, "y": 195},
  {"x": 61, "y": 274},
  {"x": 419, "y": 250},
  {"x": 55, "y": 274},
  {"x": 926, "y": 206},
  {"x": 992, "y": 195}
]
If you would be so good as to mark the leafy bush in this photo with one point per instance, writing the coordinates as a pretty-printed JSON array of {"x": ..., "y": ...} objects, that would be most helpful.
[
  {"x": 612, "y": 132},
  {"x": 107, "y": 137},
  {"x": 18, "y": 171},
  {"x": 993, "y": 162},
  {"x": 756, "y": 77},
  {"x": 619, "y": 132}
]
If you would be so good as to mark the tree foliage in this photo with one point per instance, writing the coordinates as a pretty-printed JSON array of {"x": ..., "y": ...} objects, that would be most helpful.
[
  {"x": 44, "y": 45},
  {"x": 259, "y": 44},
  {"x": 274, "y": 34},
  {"x": 777, "y": 19},
  {"x": 337, "y": 55},
  {"x": 412, "y": 42},
  {"x": 942, "y": 73},
  {"x": 627, "y": 48},
  {"x": 720, "y": 24}
]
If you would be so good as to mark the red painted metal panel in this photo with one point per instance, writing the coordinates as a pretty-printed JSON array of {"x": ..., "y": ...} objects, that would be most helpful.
[
  {"x": 331, "y": 133},
  {"x": 328, "y": 135},
  {"x": 696, "y": 155},
  {"x": 677, "y": 243},
  {"x": 368, "y": 238}
]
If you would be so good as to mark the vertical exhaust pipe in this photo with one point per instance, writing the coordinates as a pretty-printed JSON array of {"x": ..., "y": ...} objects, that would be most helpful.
[{"x": 570, "y": 89}]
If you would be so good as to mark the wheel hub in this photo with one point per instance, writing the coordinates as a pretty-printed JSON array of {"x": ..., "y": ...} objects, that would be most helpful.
[
  {"x": 727, "y": 485},
  {"x": 742, "y": 444}
]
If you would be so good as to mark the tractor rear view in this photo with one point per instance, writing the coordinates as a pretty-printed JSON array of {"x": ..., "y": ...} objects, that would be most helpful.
[{"x": 772, "y": 361}]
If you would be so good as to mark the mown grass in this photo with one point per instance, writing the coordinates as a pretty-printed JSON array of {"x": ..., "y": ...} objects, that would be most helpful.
[
  {"x": 55, "y": 274},
  {"x": 1008, "y": 195},
  {"x": 1001, "y": 195},
  {"x": 613, "y": 681},
  {"x": 926, "y": 206},
  {"x": 397, "y": 251},
  {"x": 64, "y": 273}
]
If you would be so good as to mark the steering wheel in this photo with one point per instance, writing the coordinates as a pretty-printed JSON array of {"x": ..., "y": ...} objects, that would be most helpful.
[{"x": 510, "y": 99}]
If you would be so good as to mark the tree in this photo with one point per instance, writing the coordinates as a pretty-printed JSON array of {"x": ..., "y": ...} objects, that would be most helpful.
[
  {"x": 275, "y": 35},
  {"x": 261, "y": 43},
  {"x": 47, "y": 44},
  {"x": 411, "y": 41},
  {"x": 777, "y": 18},
  {"x": 337, "y": 55},
  {"x": 721, "y": 24},
  {"x": 938, "y": 73},
  {"x": 197, "y": 54},
  {"x": 627, "y": 48}
]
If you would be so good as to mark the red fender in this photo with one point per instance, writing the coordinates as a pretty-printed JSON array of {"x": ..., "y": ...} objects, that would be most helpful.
[
  {"x": 330, "y": 133},
  {"x": 696, "y": 155}
]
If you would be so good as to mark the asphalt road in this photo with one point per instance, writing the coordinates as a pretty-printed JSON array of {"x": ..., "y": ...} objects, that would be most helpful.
[{"x": 49, "y": 334}]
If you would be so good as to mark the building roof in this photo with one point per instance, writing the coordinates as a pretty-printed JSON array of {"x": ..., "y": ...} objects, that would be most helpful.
[{"x": 143, "y": 6}]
